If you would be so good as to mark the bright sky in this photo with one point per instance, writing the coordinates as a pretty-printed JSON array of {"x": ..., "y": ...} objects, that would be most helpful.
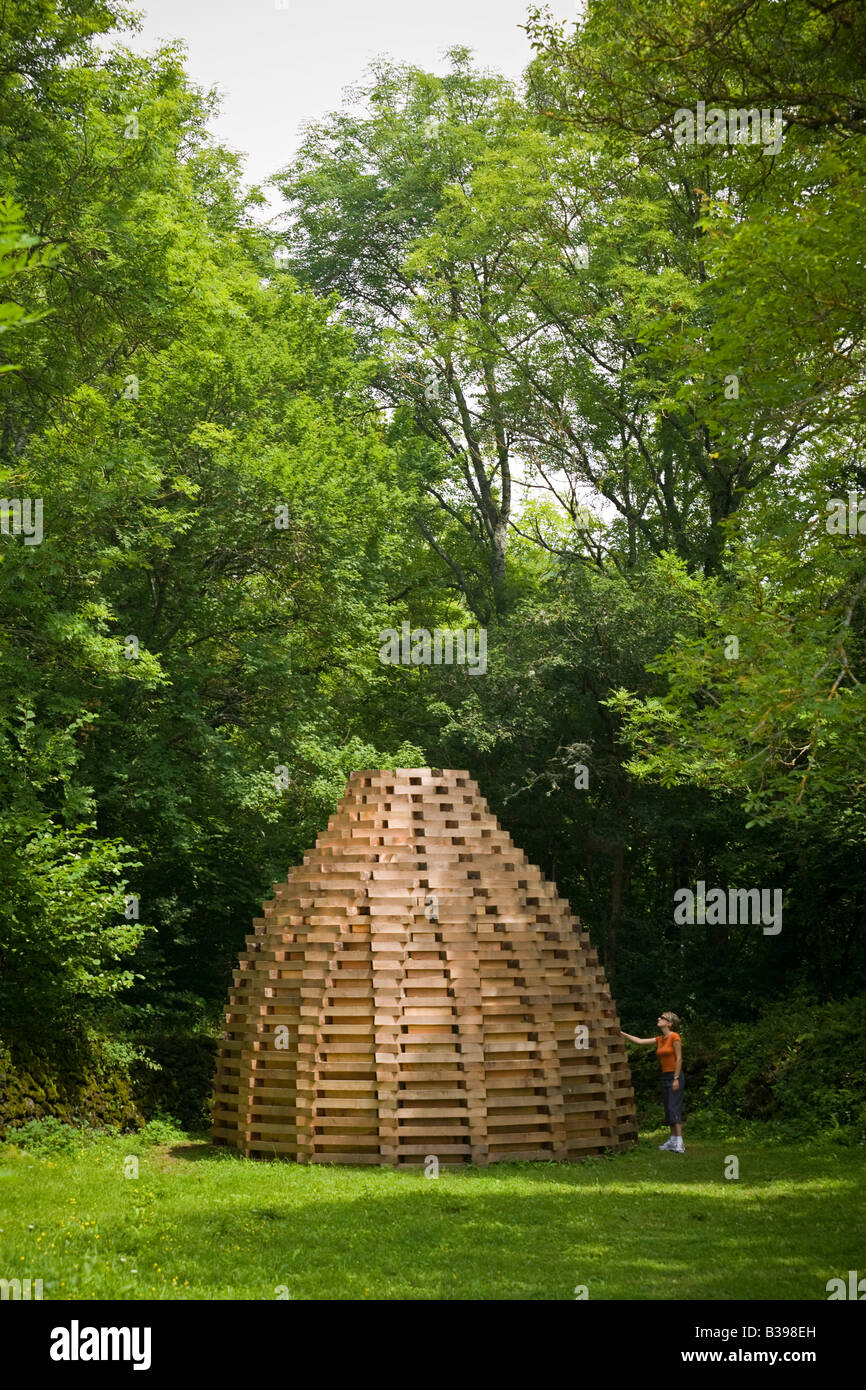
[{"x": 279, "y": 63}]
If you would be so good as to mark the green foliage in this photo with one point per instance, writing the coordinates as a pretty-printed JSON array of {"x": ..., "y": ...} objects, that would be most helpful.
[
  {"x": 106, "y": 1083},
  {"x": 217, "y": 556},
  {"x": 17, "y": 255},
  {"x": 73, "y": 1082},
  {"x": 162, "y": 1129},
  {"x": 489, "y": 384},
  {"x": 800, "y": 1065},
  {"x": 50, "y": 1137},
  {"x": 766, "y": 702},
  {"x": 796, "y": 1071},
  {"x": 61, "y": 941},
  {"x": 174, "y": 1082}
]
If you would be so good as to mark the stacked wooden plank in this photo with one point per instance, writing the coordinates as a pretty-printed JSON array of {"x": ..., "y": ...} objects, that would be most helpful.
[{"x": 417, "y": 990}]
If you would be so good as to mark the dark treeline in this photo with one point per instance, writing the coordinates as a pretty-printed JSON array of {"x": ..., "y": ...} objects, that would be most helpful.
[{"x": 550, "y": 359}]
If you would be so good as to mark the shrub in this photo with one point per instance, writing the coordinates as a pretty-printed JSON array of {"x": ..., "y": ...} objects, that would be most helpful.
[{"x": 49, "y": 1136}]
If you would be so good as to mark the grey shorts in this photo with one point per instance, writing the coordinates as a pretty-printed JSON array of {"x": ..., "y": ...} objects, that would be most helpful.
[{"x": 673, "y": 1099}]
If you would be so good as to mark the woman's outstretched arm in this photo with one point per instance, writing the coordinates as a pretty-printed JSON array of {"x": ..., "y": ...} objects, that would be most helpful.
[{"x": 644, "y": 1042}]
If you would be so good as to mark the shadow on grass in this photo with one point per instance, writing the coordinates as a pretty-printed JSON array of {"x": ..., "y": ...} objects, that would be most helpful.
[{"x": 193, "y": 1152}]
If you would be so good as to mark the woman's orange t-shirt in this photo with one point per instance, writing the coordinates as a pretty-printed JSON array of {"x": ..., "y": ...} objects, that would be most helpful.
[{"x": 665, "y": 1050}]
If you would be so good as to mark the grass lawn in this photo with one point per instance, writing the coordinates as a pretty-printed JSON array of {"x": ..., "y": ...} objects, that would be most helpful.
[{"x": 199, "y": 1223}]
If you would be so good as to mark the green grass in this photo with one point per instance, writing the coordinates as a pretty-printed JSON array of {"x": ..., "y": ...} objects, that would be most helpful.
[{"x": 199, "y": 1223}]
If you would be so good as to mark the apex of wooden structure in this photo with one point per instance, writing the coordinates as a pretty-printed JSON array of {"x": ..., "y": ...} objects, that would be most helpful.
[{"x": 417, "y": 989}]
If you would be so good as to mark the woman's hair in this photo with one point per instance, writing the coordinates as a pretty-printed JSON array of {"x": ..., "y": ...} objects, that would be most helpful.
[{"x": 672, "y": 1019}]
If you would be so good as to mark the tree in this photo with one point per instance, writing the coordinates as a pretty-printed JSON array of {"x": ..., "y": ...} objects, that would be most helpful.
[
  {"x": 384, "y": 207},
  {"x": 188, "y": 659}
]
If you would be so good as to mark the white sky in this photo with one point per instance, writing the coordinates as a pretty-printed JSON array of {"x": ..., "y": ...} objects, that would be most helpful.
[{"x": 279, "y": 67}]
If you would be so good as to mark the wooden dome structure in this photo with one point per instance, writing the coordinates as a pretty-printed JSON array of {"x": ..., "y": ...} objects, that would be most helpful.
[{"x": 415, "y": 989}]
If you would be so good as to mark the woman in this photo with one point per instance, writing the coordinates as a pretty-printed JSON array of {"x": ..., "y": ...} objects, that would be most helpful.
[{"x": 669, "y": 1050}]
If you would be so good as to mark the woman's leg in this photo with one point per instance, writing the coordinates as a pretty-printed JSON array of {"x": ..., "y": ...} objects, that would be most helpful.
[
  {"x": 666, "y": 1101},
  {"x": 677, "y": 1096}
]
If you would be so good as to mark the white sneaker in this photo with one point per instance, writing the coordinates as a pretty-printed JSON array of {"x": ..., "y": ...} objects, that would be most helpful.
[
  {"x": 678, "y": 1146},
  {"x": 668, "y": 1145}
]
